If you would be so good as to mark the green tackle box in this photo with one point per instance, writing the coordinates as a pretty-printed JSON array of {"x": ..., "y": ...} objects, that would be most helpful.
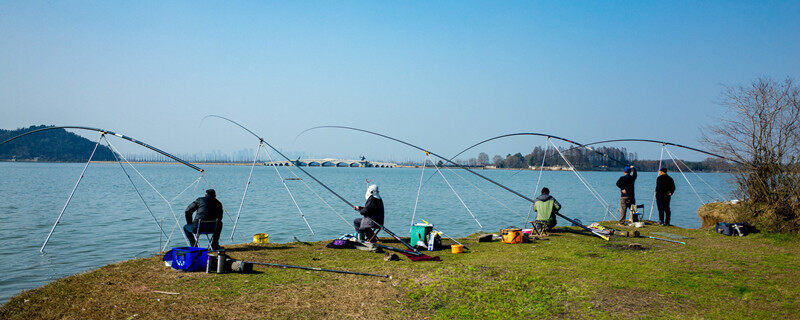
[{"x": 420, "y": 232}]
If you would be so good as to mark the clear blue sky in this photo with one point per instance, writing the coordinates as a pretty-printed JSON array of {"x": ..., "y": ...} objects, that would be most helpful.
[{"x": 443, "y": 74}]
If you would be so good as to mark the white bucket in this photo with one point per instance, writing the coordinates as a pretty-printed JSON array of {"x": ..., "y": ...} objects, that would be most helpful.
[{"x": 639, "y": 224}]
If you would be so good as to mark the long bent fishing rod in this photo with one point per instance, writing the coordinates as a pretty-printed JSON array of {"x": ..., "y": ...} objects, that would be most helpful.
[
  {"x": 665, "y": 143},
  {"x": 577, "y": 145},
  {"x": 453, "y": 163},
  {"x": 102, "y": 131},
  {"x": 317, "y": 180},
  {"x": 103, "y": 134}
]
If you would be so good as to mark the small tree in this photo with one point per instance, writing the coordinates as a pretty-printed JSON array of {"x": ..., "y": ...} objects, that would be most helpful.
[
  {"x": 761, "y": 130},
  {"x": 483, "y": 158}
]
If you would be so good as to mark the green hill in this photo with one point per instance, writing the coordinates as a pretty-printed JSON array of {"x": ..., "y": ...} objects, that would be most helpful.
[{"x": 51, "y": 145}]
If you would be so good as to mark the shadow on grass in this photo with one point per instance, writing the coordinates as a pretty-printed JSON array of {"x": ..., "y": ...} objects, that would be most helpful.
[{"x": 252, "y": 247}]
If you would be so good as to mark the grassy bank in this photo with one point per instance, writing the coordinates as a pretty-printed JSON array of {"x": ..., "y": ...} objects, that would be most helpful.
[{"x": 568, "y": 276}]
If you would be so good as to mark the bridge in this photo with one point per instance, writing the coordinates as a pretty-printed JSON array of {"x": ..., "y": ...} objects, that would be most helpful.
[{"x": 330, "y": 162}]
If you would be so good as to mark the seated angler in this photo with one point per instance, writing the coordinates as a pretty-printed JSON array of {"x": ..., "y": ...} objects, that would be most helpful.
[
  {"x": 372, "y": 212},
  {"x": 209, "y": 212},
  {"x": 546, "y": 206}
]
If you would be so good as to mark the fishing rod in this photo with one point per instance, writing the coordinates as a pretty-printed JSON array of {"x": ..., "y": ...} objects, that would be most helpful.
[
  {"x": 102, "y": 131},
  {"x": 577, "y": 145},
  {"x": 662, "y": 239},
  {"x": 318, "y": 269},
  {"x": 451, "y": 162},
  {"x": 315, "y": 179}
]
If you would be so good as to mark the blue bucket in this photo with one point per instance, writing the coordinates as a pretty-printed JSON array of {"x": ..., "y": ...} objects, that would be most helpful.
[{"x": 188, "y": 258}]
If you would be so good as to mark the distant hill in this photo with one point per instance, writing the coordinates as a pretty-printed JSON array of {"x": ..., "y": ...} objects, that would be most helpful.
[{"x": 56, "y": 145}]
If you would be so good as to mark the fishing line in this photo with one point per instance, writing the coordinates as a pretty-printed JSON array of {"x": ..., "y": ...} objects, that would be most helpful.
[
  {"x": 137, "y": 191},
  {"x": 169, "y": 205},
  {"x": 246, "y": 186},
  {"x": 652, "y": 205},
  {"x": 596, "y": 194},
  {"x": 684, "y": 175},
  {"x": 535, "y": 190},
  {"x": 445, "y": 159},
  {"x": 484, "y": 192},
  {"x": 456, "y": 193},
  {"x": 289, "y": 191},
  {"x": 102, "y": 134},
  {"x": 419, "y": 190},
  {"x": 722, "y": 197}
]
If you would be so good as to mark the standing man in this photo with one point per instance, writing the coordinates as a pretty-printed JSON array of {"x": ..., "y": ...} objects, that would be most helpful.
[
  {"x": 628, "y": 197},
  {"x": 209, "y": 211},
  {"x": 665, "y": 187}
]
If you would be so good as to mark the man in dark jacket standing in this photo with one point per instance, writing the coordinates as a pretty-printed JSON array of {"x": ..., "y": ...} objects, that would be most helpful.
[
  {"x": 665, "y": 187},
  {"x": 372, "y": 212},
  {"x": 628, "y": 197},
  {"x": 209, "y": 210}
]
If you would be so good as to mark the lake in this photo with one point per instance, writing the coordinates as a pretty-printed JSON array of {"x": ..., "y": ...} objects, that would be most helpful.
[{"x": 107, "y": 222}]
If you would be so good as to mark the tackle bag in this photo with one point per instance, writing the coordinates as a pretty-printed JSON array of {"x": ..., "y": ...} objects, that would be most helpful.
[
  {"x": 735, "y": 229},
  {"x": 187, "y": 258}
]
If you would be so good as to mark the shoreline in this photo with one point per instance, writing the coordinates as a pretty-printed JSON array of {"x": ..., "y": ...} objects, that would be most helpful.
[
  {"x": 554, "y": 168},
  {"x": 568, "y": 275}
]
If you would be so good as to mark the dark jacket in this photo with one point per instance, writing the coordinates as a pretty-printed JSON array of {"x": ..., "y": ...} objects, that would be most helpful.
[
  {"x": 373, "y": 209},
  {"x": 208, "y": 208},
  {"x": 626, "y": 183},
  {"x": 665, "y": 185}
]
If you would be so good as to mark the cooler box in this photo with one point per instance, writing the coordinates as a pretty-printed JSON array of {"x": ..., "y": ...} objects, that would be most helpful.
[
  {"x": 420, "y": 232},
  {"x": 188, "y": 258}
]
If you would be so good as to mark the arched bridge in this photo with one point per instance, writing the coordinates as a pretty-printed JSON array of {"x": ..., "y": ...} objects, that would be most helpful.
[{"x": 330, "y": 162}]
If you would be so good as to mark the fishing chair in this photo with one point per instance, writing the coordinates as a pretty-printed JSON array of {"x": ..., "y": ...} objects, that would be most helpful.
[
  {"x": 374, "y": 234},
  {"x": 207, "y": 228},
  {"x": 540, "y": 228}
]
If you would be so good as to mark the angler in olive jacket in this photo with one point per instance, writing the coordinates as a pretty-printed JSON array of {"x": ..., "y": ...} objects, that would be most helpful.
[
  {"x": 209, "y": 210},
  {"x": 546, "y": 206}
]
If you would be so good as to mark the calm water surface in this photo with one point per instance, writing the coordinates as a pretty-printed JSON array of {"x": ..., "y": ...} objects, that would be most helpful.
[{"x": 107, "y": 221}]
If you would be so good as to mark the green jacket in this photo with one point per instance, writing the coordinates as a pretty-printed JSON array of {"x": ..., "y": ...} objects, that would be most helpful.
[{"x": 545, "y": 206}]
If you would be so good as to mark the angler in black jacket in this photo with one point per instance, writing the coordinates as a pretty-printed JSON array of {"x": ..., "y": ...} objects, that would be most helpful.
[
  {"x": 665, "y": 187},
  {"x": 209, "y": 210},
  {"x": 372, "y": 212},
  {"x": 627, "y": 197}
]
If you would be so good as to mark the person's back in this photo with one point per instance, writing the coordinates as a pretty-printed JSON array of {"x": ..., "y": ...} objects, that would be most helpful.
[
  {"x": 545, "y": 207},
  {"x": 206, "y": 208},
  {"x": 626, "y": 183}
]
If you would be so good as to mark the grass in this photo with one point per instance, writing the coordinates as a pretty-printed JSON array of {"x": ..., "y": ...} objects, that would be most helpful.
[{"x": 568, "y": 276}]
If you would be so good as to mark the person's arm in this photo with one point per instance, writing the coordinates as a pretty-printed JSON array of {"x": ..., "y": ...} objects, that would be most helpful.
[
  {"x": 367, "y": 208},
  {"x": 620, "y": 185},
  {"x": 633, "y": 172},
  {"x": 556, "y": 205},
  {"x": 671, "y": 186},
  {"x": 189, "y": 210}
]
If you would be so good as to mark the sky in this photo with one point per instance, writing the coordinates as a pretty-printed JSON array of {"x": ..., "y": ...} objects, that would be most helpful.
[{"x": 441, "y": 74}]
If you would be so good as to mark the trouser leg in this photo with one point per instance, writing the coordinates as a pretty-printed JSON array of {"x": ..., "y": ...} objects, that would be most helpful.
[
  {"x": 660, "y": 204},
  {"x": 215, "y": 236},
  {"x": 189, "y": 231},
  {"x": 623, "y": 205},
  {"x": 357, "y": 227},
  {"x": 667, "y": 210}
]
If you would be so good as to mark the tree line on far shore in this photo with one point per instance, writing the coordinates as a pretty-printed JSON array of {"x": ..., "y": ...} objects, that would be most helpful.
[
  {"x": 595, "y": 159},
  {"x": 57, "y": 145}
]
